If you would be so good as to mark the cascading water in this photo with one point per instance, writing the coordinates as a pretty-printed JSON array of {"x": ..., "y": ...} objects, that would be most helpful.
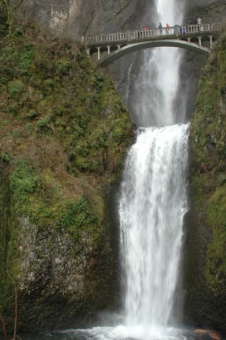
[
  {"x": 153, "y": 203},
  {"x": 157, "y": 85},
  {"x": 153, "y": 199}
]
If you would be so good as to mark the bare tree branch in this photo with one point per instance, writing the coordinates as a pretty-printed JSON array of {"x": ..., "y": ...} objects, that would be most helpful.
[
  {"x": 3, "y": 326},
  {"x": 6, "y": 2},
  {"x": 18, "y": 4},
  {"x": 15, "y": 307},
  {"x": 10, "y": 10}
]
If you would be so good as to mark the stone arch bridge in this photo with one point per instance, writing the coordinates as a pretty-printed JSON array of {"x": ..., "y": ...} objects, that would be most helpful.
[{"x": 110, "y": 47}]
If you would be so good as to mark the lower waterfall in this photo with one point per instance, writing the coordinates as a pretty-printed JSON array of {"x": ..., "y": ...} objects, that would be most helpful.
[{"x": 153, "y": 203}]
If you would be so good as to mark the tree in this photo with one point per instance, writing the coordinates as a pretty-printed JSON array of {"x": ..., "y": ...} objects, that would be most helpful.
[{"x": 11, "y": 7}]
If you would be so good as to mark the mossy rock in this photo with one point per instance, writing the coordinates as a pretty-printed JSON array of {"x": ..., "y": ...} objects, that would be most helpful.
[
  {"x": 204, "y": 303},
  {"x": 64, "y": 135}
]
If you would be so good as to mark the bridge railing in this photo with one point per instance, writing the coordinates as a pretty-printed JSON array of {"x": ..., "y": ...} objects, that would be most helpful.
[{"x": 151, "y": 33}]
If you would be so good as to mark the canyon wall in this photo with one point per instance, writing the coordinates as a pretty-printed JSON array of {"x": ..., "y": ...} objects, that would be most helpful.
[{"x": 205, "y": 266}]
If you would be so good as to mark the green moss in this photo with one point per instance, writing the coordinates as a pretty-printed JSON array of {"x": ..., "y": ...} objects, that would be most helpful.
[
  {"x": 78, "y": 217},
  {"x": 63, "y": 66},
  {"x": 63, "y": 137},
  {"x": 216, "y": 255},
  {"x": 208, "y": 171},
  {"x": 5, "y": 157},
  {"x": 23, "y": 181},
  {"x": 3, "y": 20},
  {"x": 217, "y": 207},
  {"x": 15, "y": 88},
  {"x": 25, "y": 60},
  {"x": 43, "y": 124},
  {"x": 8, "y": 254}
]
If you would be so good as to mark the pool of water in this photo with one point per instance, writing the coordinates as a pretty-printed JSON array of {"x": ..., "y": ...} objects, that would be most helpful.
[{"x": 125, "y": 333}]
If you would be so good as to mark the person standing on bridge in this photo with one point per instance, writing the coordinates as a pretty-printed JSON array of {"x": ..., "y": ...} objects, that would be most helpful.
[
  {"x": 139, "y": 31},
  {"x": 167, "y": 28},
  {"x": 160, "y": 27},
  {"x": 199, "y": 22}
]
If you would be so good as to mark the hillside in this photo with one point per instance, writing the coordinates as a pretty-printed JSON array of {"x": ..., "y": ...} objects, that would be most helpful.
[{"x": 63, "y": 136}]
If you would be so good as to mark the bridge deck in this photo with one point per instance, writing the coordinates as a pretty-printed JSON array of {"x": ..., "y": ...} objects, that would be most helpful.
[
  {"x": 110, "y": 47},
  {"x": 175, "y": 32}
]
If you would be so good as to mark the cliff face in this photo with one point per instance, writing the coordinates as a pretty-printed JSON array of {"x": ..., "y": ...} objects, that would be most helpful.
[
  {"x": 79, "y": 17},
  {"x": 64, "y": 132},
  {"x": 206, "y": 229},
  {"x": 209, "y": 12},
  {"x": 204, "y": 265}
]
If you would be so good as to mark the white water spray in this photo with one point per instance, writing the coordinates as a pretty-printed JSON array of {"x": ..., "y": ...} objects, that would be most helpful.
[{"x": 152, "y": 206}]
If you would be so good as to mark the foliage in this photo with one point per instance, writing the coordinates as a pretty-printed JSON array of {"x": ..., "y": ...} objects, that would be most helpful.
[
  {"x": 7, "y": 264},
  {"x": 63, "y": 134},
  {"x": 63, "y": 66},
  {"x": 3, "y": 19},
  {"x": 10, "y": 7},
  {"x": 15, "y": 88},
  {"x": 23, "y": 180},
  {"x": 208, "y": 150},
  {"x": 5, "y": 157},
  {"x": 216, "y": 264},
  {"x": 25, "y": 59},
  {"x": 77, "y": 217},
  {"x": 43, "y": 123}
]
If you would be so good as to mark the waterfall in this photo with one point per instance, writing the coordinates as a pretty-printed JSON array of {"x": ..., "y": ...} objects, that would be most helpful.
[
  {"x": 152, "y": 206},
  {"x": 153, "y": 192},
  {"x": 157, "y": 84}
]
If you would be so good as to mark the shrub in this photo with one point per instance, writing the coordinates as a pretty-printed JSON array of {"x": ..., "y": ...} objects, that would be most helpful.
[
  {"x": 32, "y": 114},
  {"x": 49, "y": 84},
  {"x": 118, "y": 134},
  {"x": 23, "y": 181},
  {"x": 14, "y": 109},
  {"x": 43, "y": 123},
  {"x": 77, "y": 216},
  {"x": 63, "y": 66},
  {"x": 15, "y": 88},
  {"x": 26, "y": 58},
  {"x": 5, "y": 157}
]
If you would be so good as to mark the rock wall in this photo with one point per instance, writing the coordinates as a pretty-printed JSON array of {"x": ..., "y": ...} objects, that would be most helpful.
[
  {"x": 79, "y": 17},
  {"x": 209, "y": 12},
  {"x": 205, "y": 266}
]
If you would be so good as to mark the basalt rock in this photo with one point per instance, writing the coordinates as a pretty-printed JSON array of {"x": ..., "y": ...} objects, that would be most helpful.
[{"x": 205, "y": 266}]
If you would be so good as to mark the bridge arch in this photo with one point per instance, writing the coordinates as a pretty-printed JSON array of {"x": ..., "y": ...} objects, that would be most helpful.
[{"x": 120, "y": 52}]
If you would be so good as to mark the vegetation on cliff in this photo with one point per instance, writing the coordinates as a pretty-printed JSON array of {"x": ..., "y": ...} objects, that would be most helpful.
[
  {"x": 208, "y": 191},
  {"x": 63, "y": 135}
]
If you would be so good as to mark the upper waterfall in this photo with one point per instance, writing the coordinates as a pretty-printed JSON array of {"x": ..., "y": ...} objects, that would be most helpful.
[{"x": 157, "y": 84}]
